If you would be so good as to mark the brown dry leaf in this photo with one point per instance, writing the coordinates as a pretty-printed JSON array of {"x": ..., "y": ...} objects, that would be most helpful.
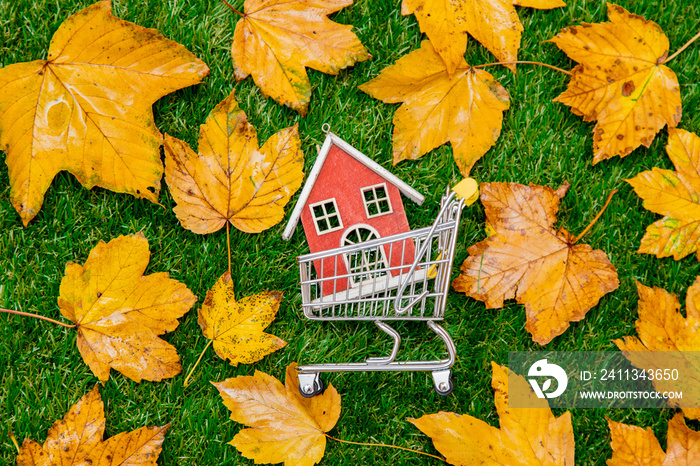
[
  {"x": 494, "y": 23},
  {"x": 283, "y": 425},
  {"x": 676, "y": 196},
  {"x": 661, "y": 327},
  {"x": 232, "y": 179},
  {"x": 77, "y": 440},
  {"x": 87, "y": 108},
  {"x": 527, "y": 437},
  {"x": 119, "y": 313},
  {"x": 465, "y": 109},
  {"x": 621, "y": 81},
  {"x": 236, "y": 327},
  {"x": 276, "y": 39},
  {"x": 527, "y": 259},
  {"x": 634, "y": 445}
]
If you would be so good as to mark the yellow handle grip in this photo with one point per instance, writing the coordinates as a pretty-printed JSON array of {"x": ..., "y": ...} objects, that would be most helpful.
[{"x": 467, "y": 189}]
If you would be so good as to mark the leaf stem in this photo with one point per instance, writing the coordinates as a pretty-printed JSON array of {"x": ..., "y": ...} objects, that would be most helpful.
[
  {"x": 187, "y": 379},
  {"x": 687, "y": 44},
  {"x": 590, "y": 225},
  {"x": 232, "y": 8},
  {"x": 228, "y": 245},
  {"x": 36, "y": 316},
  {"x": 523, "y": 63},
  {"x": 388, "y": 446},
  {"x": 14, "y": 441}
]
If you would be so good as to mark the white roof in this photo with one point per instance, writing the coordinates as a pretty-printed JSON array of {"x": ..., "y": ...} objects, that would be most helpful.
[{"x": 332, "y": 139}]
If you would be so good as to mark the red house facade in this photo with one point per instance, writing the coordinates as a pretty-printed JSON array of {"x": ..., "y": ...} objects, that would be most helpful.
[{"x": 348, "y": 198}]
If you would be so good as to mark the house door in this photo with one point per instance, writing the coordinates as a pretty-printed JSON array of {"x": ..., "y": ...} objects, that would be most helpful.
[{"x": 364, "y": 263}]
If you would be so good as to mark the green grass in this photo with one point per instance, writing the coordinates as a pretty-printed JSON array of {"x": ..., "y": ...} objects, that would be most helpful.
[{"x": 542, "y": 142}]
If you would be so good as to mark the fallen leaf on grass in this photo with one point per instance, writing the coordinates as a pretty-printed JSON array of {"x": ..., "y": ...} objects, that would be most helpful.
[
  {"x": 676, "y": 196},
  {"x": 275, "y": 40},
  {"x": 232, "y": 179},
  {"x": 236, "y": 327},
  {"x": 527, "y": 259},
  {"x": 621, "y": 81},
  {"x": 465, "y": 109},
  {"x": 634, "y": 445},
  {"x": 661, "y": 327},
  {"x": 119, "y": 313},
  {"x": 494, "y": 23},
  {"x": 283, "y": 425},
  {"x": 76, "y": 440},
  {"x": 528, "y": 436},
  {"x": 87, "y": 108}
]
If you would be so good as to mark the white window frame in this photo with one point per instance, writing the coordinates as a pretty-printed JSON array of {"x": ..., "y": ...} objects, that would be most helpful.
[
  {"x": 326, "y": 216},
  {"x": 371, "y": 273},
  {"x": 376, "y": 201}
]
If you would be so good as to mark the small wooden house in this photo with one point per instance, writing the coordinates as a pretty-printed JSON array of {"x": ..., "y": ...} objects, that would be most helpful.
[{"x": 348, "y": 198}]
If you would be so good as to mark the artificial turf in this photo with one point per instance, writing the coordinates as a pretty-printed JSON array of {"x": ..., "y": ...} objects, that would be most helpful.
[{"x": 542, "y": 142}]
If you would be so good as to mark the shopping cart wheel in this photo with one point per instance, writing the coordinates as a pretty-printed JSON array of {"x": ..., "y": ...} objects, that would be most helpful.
[
  {"x": 442, "y": 381},
  {"x": 310, "y": 385},
  {"x": 445, "y": 388}
]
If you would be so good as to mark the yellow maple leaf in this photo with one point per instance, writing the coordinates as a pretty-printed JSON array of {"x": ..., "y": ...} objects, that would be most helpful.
[
  {"x": 283, "y": 425},
  {"x": 527, "y": 259},
  {"x": 275, "y": 40},
  {"x": 494, "y": 23},
  {"x": 662, "y": 329},
  {"x": 527, "y": 436},
  {"x": 676, "y": 196},
  {"x": 236, "y": 327},
  {"x": 621, "y": 81},
  {"x": 465, "y": 109},
  {"x": 634, "y": 445},
  {"x": 232, "y": 179},
  {"x": 77, "y": 440},
  {"x": 119, "y": 313},
  {"x": 87, "y": 108}
]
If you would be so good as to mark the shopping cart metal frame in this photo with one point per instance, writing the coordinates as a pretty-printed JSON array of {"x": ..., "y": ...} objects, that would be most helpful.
[{"x": 386, "y": 293}]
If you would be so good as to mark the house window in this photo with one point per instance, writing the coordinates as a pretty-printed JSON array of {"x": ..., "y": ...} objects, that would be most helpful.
[
  {"x": 364, "y": 263},
  {"x": 326, "y": 216},
  {"x": 376, "y": 200}
]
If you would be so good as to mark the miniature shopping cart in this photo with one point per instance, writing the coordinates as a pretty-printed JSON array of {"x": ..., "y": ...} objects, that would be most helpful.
[{"x": 364, "y": 285}]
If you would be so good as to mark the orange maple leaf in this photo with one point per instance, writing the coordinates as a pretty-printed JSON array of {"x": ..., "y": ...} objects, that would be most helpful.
[
  {"x": 634, "y": 445},
  {"x": 676, "y": 196},
  {"x": 77, "y": 440},
  {"x": 528, "y": 436},
  {"x": 674, "y": 341},
  {"x": 233, "y": 179},
  {"x": 283, "y": 425},
  {"x": 87, "y": 108},
  {"x": 494, "y": 23},
  {"x": 119, "y": 313},
  {"x": 526, "y": 259},
  {"x": 465, "y": 109},
  {"x": 236, "y": 327},
  {"x": 621, "y": 81},
  {"x": 275, "y": 40}
]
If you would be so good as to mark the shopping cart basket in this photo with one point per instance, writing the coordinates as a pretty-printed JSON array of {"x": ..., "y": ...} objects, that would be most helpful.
[{"x": 370, "y": 289}]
